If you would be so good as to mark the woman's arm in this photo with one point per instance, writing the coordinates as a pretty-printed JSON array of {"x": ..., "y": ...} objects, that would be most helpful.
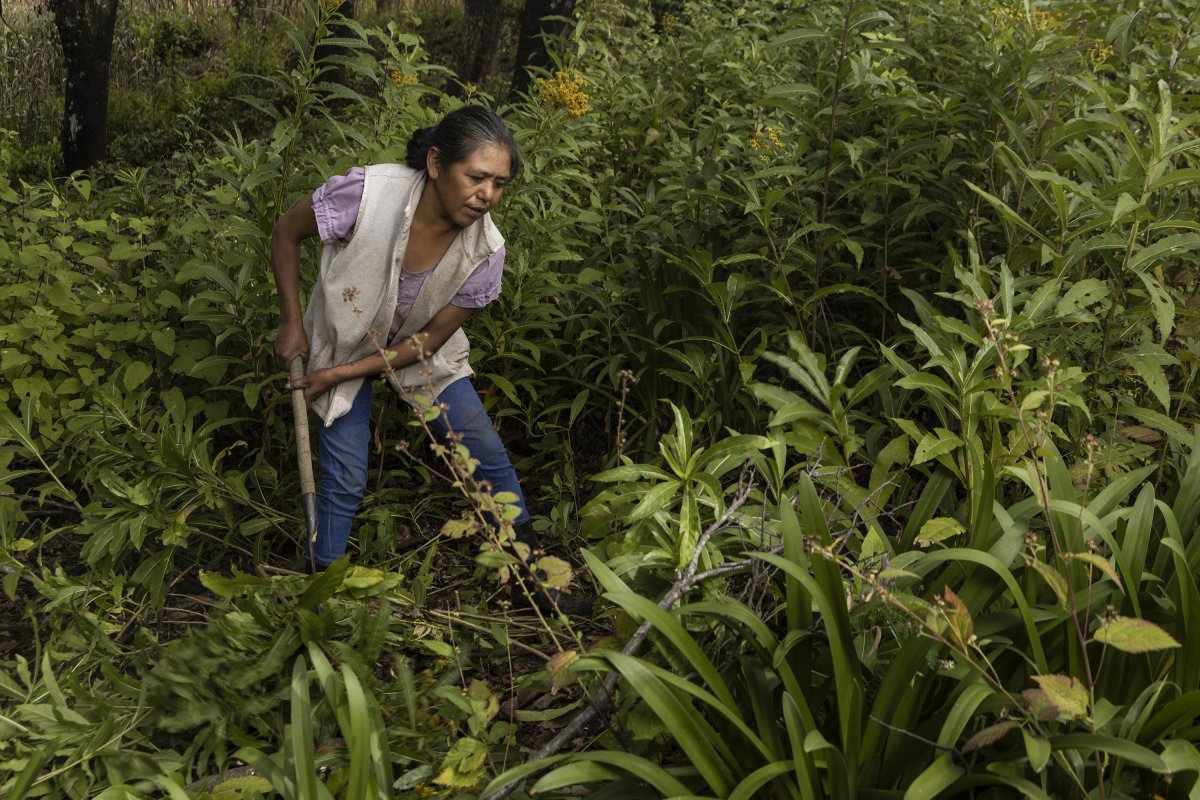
[
  {"x": 296, "y": 225},
  {"x": 420, "y": 345}
]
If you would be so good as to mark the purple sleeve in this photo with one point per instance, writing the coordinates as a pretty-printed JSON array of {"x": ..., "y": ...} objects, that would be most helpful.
[
  {"x": 484, "y": 284},
  {"x": 336, "y": 203}
]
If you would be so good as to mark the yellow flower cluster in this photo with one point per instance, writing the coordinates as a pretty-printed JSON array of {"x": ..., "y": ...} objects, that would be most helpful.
[
  {"x": 565, "y": 90},
  {"x": 669, "y": 21},
  {"x": 331, "y": 6},
  {"x": 1100, "y": 53},
  {"x": 766, "y": 141},
  {"x": 401, "y": 79},
  {"x": 1039, "y": 21}
]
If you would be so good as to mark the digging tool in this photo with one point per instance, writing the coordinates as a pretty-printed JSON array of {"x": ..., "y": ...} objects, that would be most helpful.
[{"x": 308, "y": 489}]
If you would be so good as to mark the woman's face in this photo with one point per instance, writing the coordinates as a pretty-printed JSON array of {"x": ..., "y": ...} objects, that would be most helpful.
[{"x": 470, "y": 188}]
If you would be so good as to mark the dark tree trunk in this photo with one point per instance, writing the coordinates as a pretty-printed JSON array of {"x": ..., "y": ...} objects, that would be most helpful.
[
  {"x": 85, "y": 28},
  {"x": 531, "y": 41},
  {"x": 482, "y": 22}
]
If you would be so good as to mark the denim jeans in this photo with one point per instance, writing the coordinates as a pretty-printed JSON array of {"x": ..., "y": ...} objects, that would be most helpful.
[{"x": 344, "y": 450}]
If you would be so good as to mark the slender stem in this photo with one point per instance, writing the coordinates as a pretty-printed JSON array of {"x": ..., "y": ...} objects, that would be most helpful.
[{"x": 833, "y": 114}]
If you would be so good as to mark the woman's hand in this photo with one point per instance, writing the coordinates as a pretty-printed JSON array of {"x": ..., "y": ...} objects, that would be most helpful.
[
  {"x": 316, "y": 383},
  {"x": 291, "y": 341}
]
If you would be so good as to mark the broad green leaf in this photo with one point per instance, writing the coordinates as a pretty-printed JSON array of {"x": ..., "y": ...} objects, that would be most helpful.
[
  {"x": 463, "y": 766},
  {"x": 927, "y": 382},
  {"x": 1037, "y": 750},
  {"x": 938, "y": 529},
  {"x": 243, "y": 783},
  {"x": 1052, "y": 578},
  {"x": 1162, "y": 303},
  {"x": 1067, "y": 694},
  {"x": 931, "y": 446},
  {"x": 1125, "y": 204},
  {"x": 558, "y": 573},
  {"x": 1083, "y": 294},
  {"x": 1175, "y": 245},
  {"x": 1101, "y": 563},
  {"x": 1132, "y": 635},
  {"x": 228, "y": 588},
  {"x": 659, "y": 498},
  {"x": 136, "y": 374}
]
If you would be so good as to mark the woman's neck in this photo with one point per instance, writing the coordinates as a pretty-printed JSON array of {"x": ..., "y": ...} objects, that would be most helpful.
[{"x": 430, "y": 216}]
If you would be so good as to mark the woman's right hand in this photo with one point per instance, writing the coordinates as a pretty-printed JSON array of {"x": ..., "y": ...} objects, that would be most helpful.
[{"x": 291, "y": 341}]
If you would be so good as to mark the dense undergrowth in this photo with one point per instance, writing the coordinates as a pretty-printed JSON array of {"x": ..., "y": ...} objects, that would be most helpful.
[{"x": 872, "y": 325}]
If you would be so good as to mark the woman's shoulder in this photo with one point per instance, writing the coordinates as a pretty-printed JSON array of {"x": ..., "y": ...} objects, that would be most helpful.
[{"x": 398, "y": 171}]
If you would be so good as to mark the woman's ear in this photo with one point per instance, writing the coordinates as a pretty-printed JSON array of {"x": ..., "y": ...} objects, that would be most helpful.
[{"x": 431, "y": 163}]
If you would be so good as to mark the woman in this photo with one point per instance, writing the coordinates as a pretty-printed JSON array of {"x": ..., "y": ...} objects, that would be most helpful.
[{"x": 410, "y": 249}]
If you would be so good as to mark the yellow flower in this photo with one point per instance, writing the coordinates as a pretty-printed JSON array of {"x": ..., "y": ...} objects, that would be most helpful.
[
  {"x": 766, "y": 141},
  {"x": 1009, "y": 15},
  {"x": 565, "y": 90},
  {"x": 1100, "y": 53},
  {"x": 400, "y": 79},
  {"x": 669, "y": 21}
]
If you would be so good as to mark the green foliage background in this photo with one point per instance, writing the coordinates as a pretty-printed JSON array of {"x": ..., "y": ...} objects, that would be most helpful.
[{"x": 876, "y": 321}]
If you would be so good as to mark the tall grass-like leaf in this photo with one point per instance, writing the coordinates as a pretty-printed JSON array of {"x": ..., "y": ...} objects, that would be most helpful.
[
  {"x": 750, "y": 786},
  {"x": 34, "y": 762},
  {"x": 802, "y": 762},
  {"x": 360, "y": 738},
  {"x": 1179, "y": 714},
  {"x": 731, "y": 714},
  {"x": 836, "y": 768},
  {"x": 674, "y": 632},
  {"x": 799, "y": 603},
  {"x": 827, "y": 574},
  {"x": 298, "y": 750},
  {"x": 962, "y": 712},
  {"x": 1088, "y": 743},
  {"x": 845, "y": 673},
  {"x": 636, "y": 767},
  {"x": 571, "y": 775},
  {"x": 932, "y": 496},
  {"x": 706, "y": 751},
  {"x": 975, "y": 597},
  {"x": 935, "y": 779},
  {"x": 1183, "y": 590}
]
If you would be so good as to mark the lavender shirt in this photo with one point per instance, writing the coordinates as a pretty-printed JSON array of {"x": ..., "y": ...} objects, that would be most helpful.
[{"x": 336, "y": 207}]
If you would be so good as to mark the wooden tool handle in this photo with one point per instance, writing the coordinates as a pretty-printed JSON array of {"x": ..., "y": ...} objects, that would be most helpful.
[{"x": 300, "y": 412}]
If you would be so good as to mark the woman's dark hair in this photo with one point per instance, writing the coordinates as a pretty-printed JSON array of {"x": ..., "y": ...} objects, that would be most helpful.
[{"x": 460, "y": 133}]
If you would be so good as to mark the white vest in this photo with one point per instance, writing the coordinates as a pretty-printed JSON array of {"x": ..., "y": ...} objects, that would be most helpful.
[{"x": 370, "y": 266}]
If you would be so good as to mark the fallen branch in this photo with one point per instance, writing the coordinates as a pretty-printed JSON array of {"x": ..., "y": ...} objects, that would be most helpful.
[{"x": 602, "y": 703}]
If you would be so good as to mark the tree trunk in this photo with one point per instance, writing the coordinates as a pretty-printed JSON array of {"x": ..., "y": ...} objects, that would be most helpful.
[
  {"x": 482, "y": 22},
  {"x": 85, "y": 29},
  {"x": 531, "y": 41}
]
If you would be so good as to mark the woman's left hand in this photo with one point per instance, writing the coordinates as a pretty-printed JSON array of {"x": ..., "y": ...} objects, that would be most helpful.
[{"x": 315, "y": 383}]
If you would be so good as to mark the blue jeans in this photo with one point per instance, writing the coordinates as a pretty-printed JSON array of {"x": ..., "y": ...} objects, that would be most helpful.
[{"x": 343, "y": 458}]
